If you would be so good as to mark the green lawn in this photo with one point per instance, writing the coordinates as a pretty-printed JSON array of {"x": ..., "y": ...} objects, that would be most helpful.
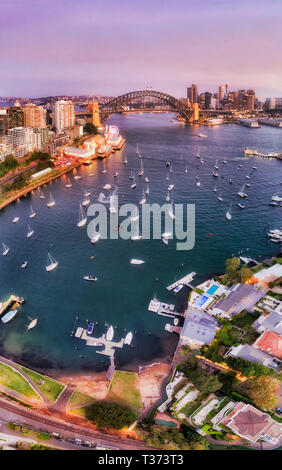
[
  {"x": 13, "y": 380},
  {"x": 124, "y": 388},
  {"x": 50, "y": 387},
  {"x": 79, "y": 399}
]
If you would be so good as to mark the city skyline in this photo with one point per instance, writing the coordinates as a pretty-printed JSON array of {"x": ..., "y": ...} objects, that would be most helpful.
[{"x": 108, "y": 49}]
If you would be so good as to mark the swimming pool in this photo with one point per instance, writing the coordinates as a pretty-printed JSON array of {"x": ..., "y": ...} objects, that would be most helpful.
[
  {"x": 202, "y": 300},
  {"x": 212, "y": 289}
]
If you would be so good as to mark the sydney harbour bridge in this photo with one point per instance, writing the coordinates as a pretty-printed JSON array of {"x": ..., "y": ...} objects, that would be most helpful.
[{"x": 121, "y": 103}]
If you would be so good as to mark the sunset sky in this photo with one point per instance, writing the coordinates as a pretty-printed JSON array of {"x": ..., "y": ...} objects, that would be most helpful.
[{"x": 53, "y": 47}]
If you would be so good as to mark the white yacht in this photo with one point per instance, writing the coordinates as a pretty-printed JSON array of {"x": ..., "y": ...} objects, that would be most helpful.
[
  {"x": 32, "y": 213},
  {"x": 6, "y": 250},
  {"x": 90, "y": 278},
  {"x": 15, "y": 220},
  {"x": 95, "y": 238},
  {"x": 136, "y": 261},
  {"x": 30, "y": 232},
  {"x": 228, "y": 213},
  {"x": 82, "y": 217},
  {"x": 24, "y": 264},
  {"x": 53, "y": 263},
  {"x": 52, "y": 201},
  {"x": 128, "y": 338},
  {"x": 276, "y": 198},
  {"x": 110, "y": 334}
]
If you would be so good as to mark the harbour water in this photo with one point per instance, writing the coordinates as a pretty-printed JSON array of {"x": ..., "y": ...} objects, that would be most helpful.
[{"x": 122, "y": 293}]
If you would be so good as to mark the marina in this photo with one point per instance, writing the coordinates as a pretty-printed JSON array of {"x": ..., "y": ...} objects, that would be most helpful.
[{"x": 186, "y": 280}]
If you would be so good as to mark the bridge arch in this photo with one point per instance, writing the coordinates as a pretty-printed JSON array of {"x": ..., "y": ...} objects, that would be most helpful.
[{"x": 111, "y": 106}]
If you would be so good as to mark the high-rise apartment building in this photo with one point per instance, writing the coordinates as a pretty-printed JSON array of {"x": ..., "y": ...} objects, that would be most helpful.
[
  {"x": 15, "y": 116},
  {"x": 3, "y": 122},
  {"x": 221, "y": 90},
  {"x": 34, "y": 116},
  {"x": 24, "y": 140},
  {"x": 63, "y": 115},
  {"x": 192, "y": 94}
]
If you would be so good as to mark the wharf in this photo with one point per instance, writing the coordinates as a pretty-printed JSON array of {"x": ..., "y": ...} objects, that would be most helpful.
[
  {"x": 163, "y": 309},
  {"x": 173, "y": 329},
  {"x": 184, "y": 280},
  {"x": 10, "y": 301},
  {"x": 101, "y": 341}
]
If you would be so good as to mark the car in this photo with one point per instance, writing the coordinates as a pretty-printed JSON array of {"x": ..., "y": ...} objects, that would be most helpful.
[{"x": 279, "y": 410}]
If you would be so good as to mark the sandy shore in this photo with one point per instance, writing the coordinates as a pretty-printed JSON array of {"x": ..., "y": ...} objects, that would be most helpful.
[{"x": 96, "y": 385}]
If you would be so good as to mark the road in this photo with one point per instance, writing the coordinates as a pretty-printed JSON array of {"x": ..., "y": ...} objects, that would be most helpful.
[
  {"x": 11, "y": 178},
  {"x": 12, "y": 412}
]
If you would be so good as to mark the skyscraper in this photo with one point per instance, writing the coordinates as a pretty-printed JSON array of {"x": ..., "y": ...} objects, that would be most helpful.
[
  {"x": 192, "y": 94},
  {"x": 63, "y": 115},
  {"x": 34, "y": 116},
  {"x": 220, "y": 94}
]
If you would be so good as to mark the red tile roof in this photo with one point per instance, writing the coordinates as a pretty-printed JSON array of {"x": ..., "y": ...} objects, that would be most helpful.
[{"x": 270, "y": 343}]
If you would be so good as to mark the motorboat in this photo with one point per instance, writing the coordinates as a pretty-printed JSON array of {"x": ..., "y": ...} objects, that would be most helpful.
[
  {"x": 166, "y": 235},
  {"x": 24, "y": 264},
  {"x": 136, "y": 261},
  {"x": 32, "y": 213},
  {"x": 146, "y": 179},
  {"x": 247, "y": 177},
  {"x": 167, "y": 197},
  {"x": 32, "y": 324},
  {"x": 68, "y": 183},
  {"x": 132, "y": 175},
  {"x": 230, "y": 181},
  {"x": 9, "y": 316},
  {"x": 254, "y": 167},
  {"x": 248, "y": 185},
  {"x": 77, "y": 177},
  {"x": 215, "y": 174},
  {"x": 53, "y": 263},
  {"x": 90, "y": 328},
  {"x": 128, "y": 338},
  {"x": 82, "y": 217},
  {"x": 276, "y": 198},
  {"x": 15, "y": 220},
  {"x": 241, "y": 205},
  {"x": 95, "y": 238},
  {"x": 224, "y": 161},
  {"x": 273, "y": 203},
  {"x": 51, "y": 202},
  {"x": 90, "y": 278},
  {"x": 198, "y": 183},
  {"x": 110, "y": 334},
  {"x": 125, "y": 161},
  {"x": 30, "y": 232},
  {"x": 133, "y": 185},
  {"x": 167, "y": 164},
  {"x": 178, "y": 288},
  {"x": 170, "y": 188},
  {"x": 6, "y": 250},
  {"x": 220, "y": 198},
  {"x": 107, "y": 187}
]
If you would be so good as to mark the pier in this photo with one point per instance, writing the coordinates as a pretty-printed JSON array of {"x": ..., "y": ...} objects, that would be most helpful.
[
  {"x": 109, "y": 346},
  {"x": 173, "y": 329},
  {"x": 163, "y": 309},
  {"x": 185, "y": 281},
  {"x": 9, "y": 302}
]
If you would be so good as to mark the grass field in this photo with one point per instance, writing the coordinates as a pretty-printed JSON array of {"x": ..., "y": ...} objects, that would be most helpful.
[
  {"x": 79, "y": 399},
  {"x": 124, "y": 388},
  {"x": 13, "y": 380},
  {"x": 50, "y": 387}
]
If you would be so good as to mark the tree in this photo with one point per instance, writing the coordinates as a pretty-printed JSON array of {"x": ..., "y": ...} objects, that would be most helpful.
[
  {"x": 231, "y": 265},
  {"x": 244, "y": 273},
  {"x": 262, "y": 391},
  {"x": 110, "y": 415},
  {"x": 89, "y": 128}
]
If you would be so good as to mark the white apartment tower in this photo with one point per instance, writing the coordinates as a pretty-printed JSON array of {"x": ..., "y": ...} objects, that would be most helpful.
[{"x": 63, "y": 115}]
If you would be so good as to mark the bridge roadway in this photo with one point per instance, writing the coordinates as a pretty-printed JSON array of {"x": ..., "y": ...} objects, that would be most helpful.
[{"x": 65, "y": 426}]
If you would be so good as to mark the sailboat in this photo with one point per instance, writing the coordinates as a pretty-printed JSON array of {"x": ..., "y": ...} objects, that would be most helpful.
[
  {"x": 165, "y": 240},
  {"x": 167, "y": 176},
  {"x": 6, "y": 250},
  {"x": 95, "y": 238},
  {"x": 136, "y": 261},
  {"x": 82, "y": 217},
  {"x": 86, "y": 201},
  {"x": 135, "y": 217},
  {"x": 115, "y": 174},
  {"x": 198, "y": 183},
  {"x": 24, "y": 264},
  {"x": 170, "y": 212},
  {"x": 214, "y": 189},
  {"x": 133, "y": 184},
  {"x": 186, "y": 169},
  {"x": 52, "y": 201},
  {"x": 215, "y": 174},
  {"x": 167, "y": 196},
  {"x": 41, "y": 194},
  {"x": 198, "y": 154},
  {"x": 15, "y": 220},
  {"x": 241, "y": 192},
  {"x": 125, "y": 160},
  {"x": 224, "y": 161},
  {"x": 228, "y": 213},
  {"x": 104, "y": 169},
  {"x": 87, "y": 193},
  {"x": 53, "y": 263},
  {"x": 170, "y": 188},
  {"x": 68, "y": 184},
  {"x": 32, "y": 324},
  {"x": 143, "y": 200},
  {"x": 132, "y": 175},
  {"x": 141, "y": 171},
  {"x": 32, "y": 213},
  {"x": 147, "y": 189},
  {"x": 30, "y": 232},
  {"x": 241, "y": 205},
  {"x": 146, "y": 179},
  {"x": 216, "y": 166}
]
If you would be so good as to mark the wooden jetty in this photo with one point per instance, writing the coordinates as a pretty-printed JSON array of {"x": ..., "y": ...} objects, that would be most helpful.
[
  {"x": 101, "y": 341},
  {"x": 184, "y": 280}
]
